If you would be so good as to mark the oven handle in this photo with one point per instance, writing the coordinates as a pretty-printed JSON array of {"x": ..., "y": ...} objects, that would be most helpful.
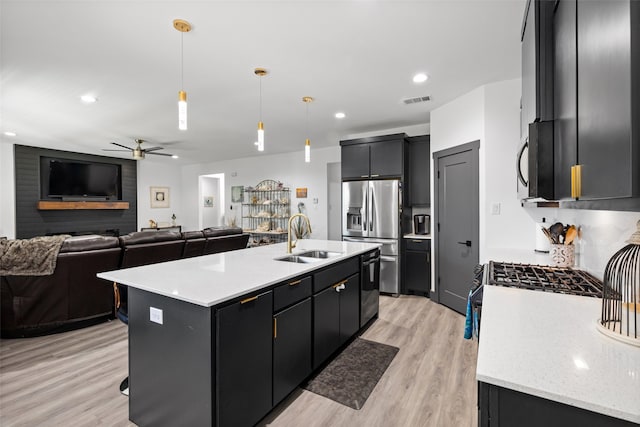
[{"x": 371, "y": 261}]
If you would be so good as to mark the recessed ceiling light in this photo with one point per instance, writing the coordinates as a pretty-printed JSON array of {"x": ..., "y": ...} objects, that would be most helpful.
[
  {"x": 9, "y": 133},
  {"x": 175, "y": 156},
  {"x": 420, "y": 78},
  {"x": 340, "y": 115},
  {"x": 88, "y": 99}
]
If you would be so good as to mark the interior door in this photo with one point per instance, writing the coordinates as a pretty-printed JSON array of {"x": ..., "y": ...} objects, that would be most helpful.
[{"x": 457, "y": 229}]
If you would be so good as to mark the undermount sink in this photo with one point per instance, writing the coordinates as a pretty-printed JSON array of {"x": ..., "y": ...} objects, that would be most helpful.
[
  {"x": 319, "y": 254},
  {"x": 308, "y": 256},
  {"x": 297, "y": 258}
]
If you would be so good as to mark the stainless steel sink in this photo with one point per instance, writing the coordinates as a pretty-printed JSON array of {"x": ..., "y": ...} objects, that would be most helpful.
[
  {"x": 308, "y": 256},
  {"x": 297, "y": 258},
  {"x": 319, "y": 254}
]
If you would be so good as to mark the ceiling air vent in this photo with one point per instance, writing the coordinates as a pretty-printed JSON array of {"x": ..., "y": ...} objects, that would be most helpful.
[{"x": 416, "y": 100}]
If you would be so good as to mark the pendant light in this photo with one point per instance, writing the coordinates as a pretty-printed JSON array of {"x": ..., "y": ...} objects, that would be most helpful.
[
  {"x": 260, "y": 72},
  {"x": 307, "y": 143},
  {"x": 184, "y": 27}
]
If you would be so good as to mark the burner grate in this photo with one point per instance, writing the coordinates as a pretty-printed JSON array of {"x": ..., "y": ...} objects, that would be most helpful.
[{"x": 544, "y": 278}]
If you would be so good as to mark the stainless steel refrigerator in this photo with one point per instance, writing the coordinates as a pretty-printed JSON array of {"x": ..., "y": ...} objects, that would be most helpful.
[{"x": 371, "y": 213}]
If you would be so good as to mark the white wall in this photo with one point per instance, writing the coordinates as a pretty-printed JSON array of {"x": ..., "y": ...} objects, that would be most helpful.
[
  {"x": 7, "y": 192},
  {"x": 288, "y": 168},
  {"x": 159, "y": 173}
]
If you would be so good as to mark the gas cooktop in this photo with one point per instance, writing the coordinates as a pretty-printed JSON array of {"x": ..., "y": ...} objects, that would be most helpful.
[{"x": 544, "y": 278}]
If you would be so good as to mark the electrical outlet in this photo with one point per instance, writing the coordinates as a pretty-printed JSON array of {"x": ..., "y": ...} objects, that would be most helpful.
[
  {"x": 495, "y": 208},
  {"x": 155, "y": 315},
  {"x": 315, "y": 200}
]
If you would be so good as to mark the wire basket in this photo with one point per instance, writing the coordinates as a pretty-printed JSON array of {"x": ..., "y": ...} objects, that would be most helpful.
[{"x": 621, "y": 294}]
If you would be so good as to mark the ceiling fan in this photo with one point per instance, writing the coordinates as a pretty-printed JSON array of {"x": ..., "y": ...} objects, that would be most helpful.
[{"x": 139, "y": 152}]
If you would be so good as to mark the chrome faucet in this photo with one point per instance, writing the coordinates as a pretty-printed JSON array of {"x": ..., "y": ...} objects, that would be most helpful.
[{"x": 291, "y": 245}]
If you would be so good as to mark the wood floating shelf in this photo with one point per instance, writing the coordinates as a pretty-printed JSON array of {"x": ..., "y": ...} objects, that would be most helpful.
[{"x": 56, "y": 205}]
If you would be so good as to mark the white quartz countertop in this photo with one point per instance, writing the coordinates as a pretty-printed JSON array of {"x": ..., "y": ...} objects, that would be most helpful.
[
  {"x": 211, "y": 279},
  {"x": 547, "y": 345}
]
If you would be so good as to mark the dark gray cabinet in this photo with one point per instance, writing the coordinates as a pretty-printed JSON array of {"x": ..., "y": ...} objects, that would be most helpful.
[
  {"x": 608, "y": 101},
  {"x": 291, "y": 348},
  {"x": 565, "y": 97},
  {"x": 374, "y": 157},
  {"x": 336, "y": 317},
  {"x": 419, "y": 179},
  {"x": 597, "y": 104},
  {"x": 417, "y": 266},
  {"x": 502, "y": 407},
  {"x": 244, "y": 360}
]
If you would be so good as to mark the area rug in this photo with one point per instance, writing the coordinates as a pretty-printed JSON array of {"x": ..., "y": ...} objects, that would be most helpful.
[{"x": 351, "y": 377}]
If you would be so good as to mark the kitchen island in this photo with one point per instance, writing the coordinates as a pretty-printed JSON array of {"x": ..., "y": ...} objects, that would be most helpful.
[
  {"x": 221, "y": 339},
  {"x": 541, "y": 361}
]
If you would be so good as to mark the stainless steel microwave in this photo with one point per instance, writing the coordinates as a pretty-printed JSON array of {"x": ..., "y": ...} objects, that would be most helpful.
[{"x": 534, "y": 162}]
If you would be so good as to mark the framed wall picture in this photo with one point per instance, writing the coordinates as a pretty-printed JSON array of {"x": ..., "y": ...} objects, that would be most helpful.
[
  {"x": 208, "y": 201},
  {"x": 301, "y": 193},
  {"x": 236, "y": 193},
  {"x": 160, "y": 197}
]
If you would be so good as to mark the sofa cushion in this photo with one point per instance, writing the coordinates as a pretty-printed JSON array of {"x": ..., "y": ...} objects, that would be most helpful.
[
  {"x": 221, "y": 231},
  {"x": 88, "y": 243},
  {"x": 139, "y": 237},
  {"x": 192, "y": 235}
]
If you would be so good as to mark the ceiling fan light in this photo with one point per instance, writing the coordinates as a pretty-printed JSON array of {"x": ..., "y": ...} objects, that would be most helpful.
[
  {"x": 138, "y": 154},
  {"x": 182, "y": 110}
]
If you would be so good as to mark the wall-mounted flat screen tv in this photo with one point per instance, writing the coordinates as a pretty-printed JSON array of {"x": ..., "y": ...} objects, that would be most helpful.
[{"x": 75, "y": 179}]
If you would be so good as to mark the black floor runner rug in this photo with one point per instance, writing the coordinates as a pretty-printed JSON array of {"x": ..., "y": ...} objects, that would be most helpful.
[{"x": 351, "y": 377}]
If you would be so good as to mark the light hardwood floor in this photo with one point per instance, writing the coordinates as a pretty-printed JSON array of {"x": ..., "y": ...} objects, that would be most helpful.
[{"x": 72, "y": 379}]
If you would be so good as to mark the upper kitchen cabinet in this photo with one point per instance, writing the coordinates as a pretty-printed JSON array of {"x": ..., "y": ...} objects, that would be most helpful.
[
  {"x": 537, "y": 63},
  {"x": 373, "y": 157},
  {"x": 597, "y": 104},
  {"x": 608, "y": 61},
  {"x": 419, "y": 171}
]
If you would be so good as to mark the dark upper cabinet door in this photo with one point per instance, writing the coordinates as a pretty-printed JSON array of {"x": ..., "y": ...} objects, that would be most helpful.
[
  {"x": 386, "y": 159},
  {"x": 419, "y": 171},
  {"x": 291, "y": 348},
  {"x": 355, "y": 161},
  {"x": 608, "y": 150},
  {"x": 326, "y": 324},
  {"x": 565, "y": 97},
  {"x": 349, "y": 308},
  {"x": 244, "y": 361}
]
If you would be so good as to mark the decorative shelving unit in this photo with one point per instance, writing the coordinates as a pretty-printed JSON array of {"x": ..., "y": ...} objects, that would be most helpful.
[{"x": 266, "y": 209}]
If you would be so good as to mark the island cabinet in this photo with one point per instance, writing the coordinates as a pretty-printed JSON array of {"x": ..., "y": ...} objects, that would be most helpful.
[
  {"x": 291, "y": 336},
  {"x": 243, "y": 360},
  {"x": 503, "y": 407},
  {"x": 336, "y": 308}
]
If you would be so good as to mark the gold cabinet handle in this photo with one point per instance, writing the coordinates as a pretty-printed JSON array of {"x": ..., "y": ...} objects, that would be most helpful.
[
  {"x": 339, "y": 283},
  {"x": 576, "y": 181},
  {"x": 244, "y": 301},
  {"x": 275, "y": 328},
  {"x": 297, "y": 282}
]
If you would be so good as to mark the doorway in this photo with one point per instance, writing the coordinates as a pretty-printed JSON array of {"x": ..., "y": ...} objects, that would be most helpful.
[
  {"x": 210, "y": 200},
  {"x": 456, "y": 223}
]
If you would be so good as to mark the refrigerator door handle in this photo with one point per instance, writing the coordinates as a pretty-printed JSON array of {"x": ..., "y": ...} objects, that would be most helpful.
[
  {"x": 371, "y": 208},
  {"x": 365, "y": 204}
]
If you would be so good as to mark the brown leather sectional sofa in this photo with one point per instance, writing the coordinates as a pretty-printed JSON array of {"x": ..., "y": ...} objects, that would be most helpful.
[{"x": 73, "y": 297}]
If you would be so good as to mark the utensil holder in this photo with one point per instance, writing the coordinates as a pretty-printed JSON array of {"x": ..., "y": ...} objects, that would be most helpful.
[{"x": 563, "y": 255}]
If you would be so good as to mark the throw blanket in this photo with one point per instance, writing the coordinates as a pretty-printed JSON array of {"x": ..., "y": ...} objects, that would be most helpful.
[{"x": 30, "y": 257}]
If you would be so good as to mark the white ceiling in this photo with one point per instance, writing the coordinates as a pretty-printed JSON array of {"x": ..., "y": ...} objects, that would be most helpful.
[{"x": 352, "y": 56}]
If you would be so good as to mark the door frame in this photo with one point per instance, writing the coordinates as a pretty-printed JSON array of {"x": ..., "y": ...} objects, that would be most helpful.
[{"x": 474, "y": 147}]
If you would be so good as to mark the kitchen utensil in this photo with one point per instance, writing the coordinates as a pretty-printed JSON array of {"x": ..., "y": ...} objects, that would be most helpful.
[
  {"x": 570, "y": 235},
  {"x": 556, "y": 231},
  {"x": 548, "y": 234}
]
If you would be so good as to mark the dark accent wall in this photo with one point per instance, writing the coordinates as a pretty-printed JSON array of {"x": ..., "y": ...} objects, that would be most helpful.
[{"x": 31, "y": 222}]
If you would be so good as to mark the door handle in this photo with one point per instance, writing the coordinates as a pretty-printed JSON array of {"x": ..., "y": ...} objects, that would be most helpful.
[{"x": 467, "y": 243}]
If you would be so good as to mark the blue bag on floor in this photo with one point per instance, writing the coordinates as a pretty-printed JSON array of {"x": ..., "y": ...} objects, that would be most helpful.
[{"x": 468, "y": 324}]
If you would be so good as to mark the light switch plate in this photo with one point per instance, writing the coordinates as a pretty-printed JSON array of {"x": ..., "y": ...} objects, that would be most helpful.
[
  {"x": 155, "y": 315},
  {"x": 495, "y": 208}
]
